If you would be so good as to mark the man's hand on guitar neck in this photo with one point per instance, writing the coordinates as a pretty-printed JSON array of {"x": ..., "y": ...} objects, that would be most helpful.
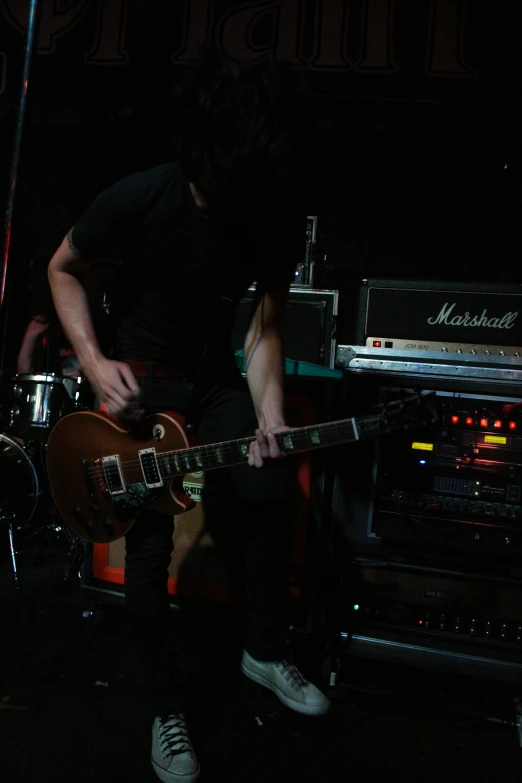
[{"x": 265, "y": 446}]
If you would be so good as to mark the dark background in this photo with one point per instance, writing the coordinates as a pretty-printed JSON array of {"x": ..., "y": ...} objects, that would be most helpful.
[{"x": 406, "y": 172}]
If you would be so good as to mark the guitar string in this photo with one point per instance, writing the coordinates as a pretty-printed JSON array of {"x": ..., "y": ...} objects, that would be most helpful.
[
  {"x": 192, "y": 464},
  {"x": 298, "y": 432},
  {"x": 193, "y": 468},
  {"x": 230, "y": 448},
  {"x": 208, "y": 451},
  {"x": 226, "y": 447}
]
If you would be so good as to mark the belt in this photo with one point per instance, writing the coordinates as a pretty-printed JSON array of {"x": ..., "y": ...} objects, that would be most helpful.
[{"x": 154, "y": 369}]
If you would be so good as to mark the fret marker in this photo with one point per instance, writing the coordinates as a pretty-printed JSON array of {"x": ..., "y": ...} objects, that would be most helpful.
[
  {"x": 245, "y": 448},
  {"x": 187, "y": 462},
  {"x": 176, "y": 463},
  {"x": 219, "y": 455},
  {"x": 288, "y": 443},
  {"x": 199, "y": 461},
  {"x": 315, "y": 438}
]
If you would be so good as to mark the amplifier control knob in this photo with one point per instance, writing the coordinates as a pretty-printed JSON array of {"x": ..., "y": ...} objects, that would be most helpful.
[
  {"x": 473, "y": 627},
  {"x": 518, "y": 637},
  {"x": 487, "y": 352},
  {"x": 504, "y": 631},
  {"x": 459, "y": 350},
  {"x": 517, "y": 353},
  {"x": 456, "y": 625},
  {"x": 489, "y": 629},
  {"x": 473, "y": 350},
  {"x": 444, "y": 349},
  {"x": 442, "y": 622},
  {"x": 501, "y": 353}
]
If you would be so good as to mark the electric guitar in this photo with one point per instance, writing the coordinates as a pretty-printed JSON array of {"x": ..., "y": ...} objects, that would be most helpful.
[{"x": 103, "y": 473}]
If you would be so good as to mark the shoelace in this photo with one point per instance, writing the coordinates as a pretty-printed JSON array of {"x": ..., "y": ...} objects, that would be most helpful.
[
  {"x": 293, "y": 675},
  {"x": 173, "y": 735}
]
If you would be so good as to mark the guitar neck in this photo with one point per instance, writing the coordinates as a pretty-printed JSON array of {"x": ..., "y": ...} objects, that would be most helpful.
[{"x": 235, "y": 452}]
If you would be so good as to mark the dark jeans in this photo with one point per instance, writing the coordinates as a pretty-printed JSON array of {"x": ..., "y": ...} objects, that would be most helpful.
[{"x": 251, "y": 499}]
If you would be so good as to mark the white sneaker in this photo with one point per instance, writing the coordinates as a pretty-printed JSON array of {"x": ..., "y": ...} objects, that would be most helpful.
[
  {"x": 288, "y": 684},
  {"x": 173, "y": 757}
]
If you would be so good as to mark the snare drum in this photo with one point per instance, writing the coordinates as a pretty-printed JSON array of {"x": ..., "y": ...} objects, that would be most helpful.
[
  {"x": 19, "y": 488},
  {"x": 39, "y": 401}
]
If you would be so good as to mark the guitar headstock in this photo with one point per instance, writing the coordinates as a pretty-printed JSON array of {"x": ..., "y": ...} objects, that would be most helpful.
[{"x": 415, "y": 410}]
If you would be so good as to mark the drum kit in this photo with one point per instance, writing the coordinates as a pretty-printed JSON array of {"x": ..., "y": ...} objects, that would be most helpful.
[{"x": 33, "y": 405}]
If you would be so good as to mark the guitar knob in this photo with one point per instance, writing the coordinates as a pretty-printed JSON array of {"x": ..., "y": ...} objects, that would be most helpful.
[
  {"x": 94, "y": 511},
  {"x": 89, "y": 528}
]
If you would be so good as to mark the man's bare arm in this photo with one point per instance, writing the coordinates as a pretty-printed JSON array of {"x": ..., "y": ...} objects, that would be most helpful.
[
  {"x": 264, "y": 358},
  {"x": 66, "y": 269},
  {"x": 112, "y": 381}
]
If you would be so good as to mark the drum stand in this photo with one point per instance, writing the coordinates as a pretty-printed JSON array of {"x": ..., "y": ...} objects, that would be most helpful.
[
  {"x": 10, "y": 520},
  {"x": 78, "y": 557},
  {"x": 55, "y": 527}
]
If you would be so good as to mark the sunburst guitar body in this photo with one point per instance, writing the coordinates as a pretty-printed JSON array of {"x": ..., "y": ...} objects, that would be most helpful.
[{"x": 90, "y": 453}]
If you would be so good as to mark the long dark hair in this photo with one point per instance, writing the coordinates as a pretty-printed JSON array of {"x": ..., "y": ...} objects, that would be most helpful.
[{"x": 238, "y": 132}]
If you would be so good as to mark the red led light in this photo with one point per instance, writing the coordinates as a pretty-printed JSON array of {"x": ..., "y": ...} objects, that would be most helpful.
[
  {"x": 377, "y": 343},
  {"x": 469, "y": 420},
  {"x": 512, "y": 425},
  {"x": 483, "y": 422},
  {"x": 497, "y": 424},
  {"x": 420, "y": 622},
  {"x": 454, "y": 419}
]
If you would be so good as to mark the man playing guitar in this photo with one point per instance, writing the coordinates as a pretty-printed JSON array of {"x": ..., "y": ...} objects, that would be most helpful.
[{"x": 193, "y": 236}]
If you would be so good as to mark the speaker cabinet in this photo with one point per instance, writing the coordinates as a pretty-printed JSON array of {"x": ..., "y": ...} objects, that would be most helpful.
[{"x": 309, "y": 324}]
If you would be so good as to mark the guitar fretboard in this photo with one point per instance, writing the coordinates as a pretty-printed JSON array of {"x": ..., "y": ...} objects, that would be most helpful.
[{"x": 235, "y": 452}]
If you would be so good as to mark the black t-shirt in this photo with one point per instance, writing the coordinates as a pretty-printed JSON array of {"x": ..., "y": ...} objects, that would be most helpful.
[{"x": 175, "y": 262}]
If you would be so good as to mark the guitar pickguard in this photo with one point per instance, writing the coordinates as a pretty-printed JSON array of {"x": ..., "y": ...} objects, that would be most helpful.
[{"x": 136, "y": 498}]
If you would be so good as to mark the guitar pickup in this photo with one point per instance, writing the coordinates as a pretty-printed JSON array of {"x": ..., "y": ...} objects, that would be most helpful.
[
  {"x": 150, "y": 468},
  {"x": 114, "y": 475}
]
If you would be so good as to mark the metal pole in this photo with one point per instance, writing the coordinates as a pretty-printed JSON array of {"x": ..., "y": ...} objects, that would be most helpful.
[{"x": 15, "y": 161}]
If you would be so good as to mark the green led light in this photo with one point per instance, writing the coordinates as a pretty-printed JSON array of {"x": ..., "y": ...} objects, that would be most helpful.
[{"x": 356, "y": 607}]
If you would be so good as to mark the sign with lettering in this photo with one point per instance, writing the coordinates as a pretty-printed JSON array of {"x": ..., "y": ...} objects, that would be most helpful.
[
  {"x": 448, "y": 317},
  {"x": 94, "y": 53}
]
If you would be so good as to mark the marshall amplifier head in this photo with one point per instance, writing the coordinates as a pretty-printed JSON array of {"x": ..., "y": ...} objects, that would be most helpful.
[{"x": 441, "y": 316}]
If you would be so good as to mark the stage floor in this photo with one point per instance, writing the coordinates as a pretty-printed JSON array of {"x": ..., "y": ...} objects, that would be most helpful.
[{"x": 71, "y": 711}]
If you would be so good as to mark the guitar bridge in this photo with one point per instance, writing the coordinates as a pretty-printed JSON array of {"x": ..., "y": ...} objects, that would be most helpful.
[{"x": 114, "y": 475}]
